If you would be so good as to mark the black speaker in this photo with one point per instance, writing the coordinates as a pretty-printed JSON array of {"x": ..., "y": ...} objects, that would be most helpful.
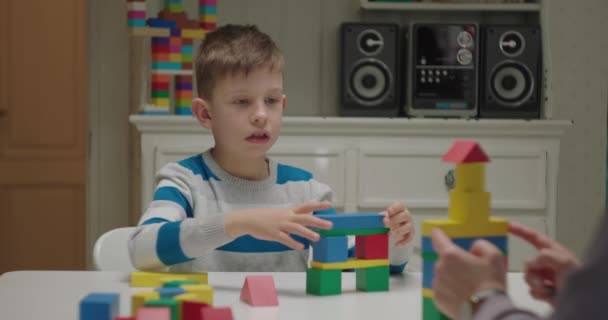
[
  {"x": 370, "y": 70},
  {"x": 512, "y": 72}
]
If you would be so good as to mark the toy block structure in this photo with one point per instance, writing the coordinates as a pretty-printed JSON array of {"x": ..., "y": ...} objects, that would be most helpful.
[
  {"x": 330, "y": 254},
  {"x": 99, "y": 306},
  {"x": 172, "y": 37},
  {"x": 153, "y": 313},
  {"x": 259, "y": 291},
  {"x": 468, "y": 216},
  {"x": 156, "y": 279}
]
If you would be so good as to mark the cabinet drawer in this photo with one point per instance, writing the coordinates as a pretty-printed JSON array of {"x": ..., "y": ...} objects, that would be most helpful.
[{"x": 516, "y": 177}]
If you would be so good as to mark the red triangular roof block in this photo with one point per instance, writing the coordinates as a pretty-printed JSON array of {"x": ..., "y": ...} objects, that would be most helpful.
[
  {"x": 259, "y": 291},
  {"x": 465, "y": 151}
]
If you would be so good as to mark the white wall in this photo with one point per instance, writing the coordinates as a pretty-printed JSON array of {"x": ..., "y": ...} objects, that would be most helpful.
[{"x": 307, "y": 33}]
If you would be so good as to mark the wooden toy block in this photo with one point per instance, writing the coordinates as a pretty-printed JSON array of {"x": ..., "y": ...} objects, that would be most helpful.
[
  {"x": 191, "y": 310},
  {"x": 161, "y": 102},
  {"x": 323, "y": 282},
  {"x": 259, "y": 291},
  {"x": 187, "y": 66},
  {"x": 170, "y": 304},
  {"x": 166, "y": 65},
  {"x": 136, "y": 23},
  {"x": 149, "y": 32},
  {"x": 168, "y": 293},
  {"x": 205, "y": 292},
  {"x": 160, "y": 94},
  {"x": 355, "y": 232},
  {"x": 430, "y": 311},
  {"x": 215, "y": 313},
  {"x": 161, "y": 78},
  {"x": 208, "y": 25},
  {"x": 470, "y": 177},
  {"x": 465, "y": 243},
  {"x": 154, "y": 313},
  {"x": 175, "y": 57},
  {"x": 373, "y": 279},
  {"x": 160, "y": 57},
  {"x": 354, "y": 220},
  {"x": 373, "y": 246},
  {"x": 136, "y": 14},
  {"x": 186, "y": 58},
  {"x": 427, "y": 293},
  {"x": 207, "y": 10},
  {"x": 139, "y": 299},
  {"x": 184, "y": 94},
  {"x": 208, "y": 17},
  {"x": 211, "y": 3},
  {"x": 156, "y": 279},
  {"x": 330, "y": 249},
  {"x": 175, "y": 8},
  {"x": 494, "y": 227},
  {"x": 99, "y": 306},
  {"x": 160, "y": 86},
  {"x": 465, "y": 151},
  {"x": 350, "y": 264},
  {"x": 468, "y": 207},
  {"x": 193, "y": 33},
  {"x": 160, "y": 48},
  {"x": 188, "y": 297},
  {"x": 178, "y": 283},
  {"x": 161, "y": 23},
  {"x": 183, "y": 111},
  {"x": 428, "y": 273}
]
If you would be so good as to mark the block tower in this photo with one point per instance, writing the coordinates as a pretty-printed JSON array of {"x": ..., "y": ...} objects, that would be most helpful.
[
  {"x": 469, "y": 216},
  {"x": 172, "y": 37},
  {"x": 330, "y": 254}
]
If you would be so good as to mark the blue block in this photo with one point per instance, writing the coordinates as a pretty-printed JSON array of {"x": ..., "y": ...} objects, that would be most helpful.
[
  {"x": 187, "y": 49},
  {"x": 344, "y": 221},
  {"x": 100, "y": 306},
  {"x": 428, "y": 273},
  {"x": 169, "y": 292},
  {"x": 183, "y": 111},
  {"x": 161, "y": 40},
  {"x": 160, "y": 23},
  {"x": 167, "y": 65},
  {"x": 207, "y": 10},
  {"x": 466, "y": 243},
  {"x": 136, "y": 23},
  {"x": 155, "y": 113},
  {"x": 330, "y": 249},
  {"x": 176, "y": 32}
]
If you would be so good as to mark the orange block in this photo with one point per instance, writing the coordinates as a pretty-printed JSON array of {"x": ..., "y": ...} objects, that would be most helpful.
[
  {"x": 183, "y": 94},
  {"x": 157, "y": 77},
  {"x": 160, "y": 57},
  {"x": 175, "y": 41}
]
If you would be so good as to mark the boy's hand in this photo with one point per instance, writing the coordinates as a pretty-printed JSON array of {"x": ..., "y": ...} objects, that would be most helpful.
[
  {"x": 546, "y": 270},
  {"x": 276, "y": 224},
  {"x": 399, "y": 220}
]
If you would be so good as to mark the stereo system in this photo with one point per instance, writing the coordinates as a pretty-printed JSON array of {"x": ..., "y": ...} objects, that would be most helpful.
[{"x": 441, "y": 70}]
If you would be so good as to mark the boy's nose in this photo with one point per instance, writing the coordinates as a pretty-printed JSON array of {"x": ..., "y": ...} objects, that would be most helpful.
[{"x": 260, "y": 114}]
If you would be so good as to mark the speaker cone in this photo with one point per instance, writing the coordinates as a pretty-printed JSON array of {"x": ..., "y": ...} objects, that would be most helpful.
[
  {"x": 512, "y": 83},
  {"x": 369, "y": 81}
]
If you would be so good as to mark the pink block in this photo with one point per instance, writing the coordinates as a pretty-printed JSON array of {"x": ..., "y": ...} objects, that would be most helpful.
[
  {"x": 207, "y": 3},
  {"x": 212, "y": 313},
  {"x": 153, "y": 313},
  {"x": 136, "y": 14},
  {"x": 259, "y": 291},
  {"x": 175, "y": 49}
]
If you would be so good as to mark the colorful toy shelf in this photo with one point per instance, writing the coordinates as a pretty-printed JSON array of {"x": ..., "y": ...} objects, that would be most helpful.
[{"x": 442, "y": 6}]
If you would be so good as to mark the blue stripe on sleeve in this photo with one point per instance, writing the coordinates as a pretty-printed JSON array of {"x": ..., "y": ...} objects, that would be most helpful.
[
  {"x": 198, "y": 166},
  {"x": 168, "y": 246},
  {"x": 154, "y": 220},
  {"x": 174, "y": 195}
]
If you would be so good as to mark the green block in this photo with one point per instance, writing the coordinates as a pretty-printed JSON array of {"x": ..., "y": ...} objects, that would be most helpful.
[
  {"x": 430, "y": 311},
  {"x": 160, "y": 94},
  {"x": 323, "y": 282},
  {"x": 347, "y": 232},
  {"x": 173, "y": 8},
  {"x": 186, "y": 58},
  {"x": 172, "y": 304},
  {"x": 373, "y": 279},
  {"x": 179, "y": 283}
]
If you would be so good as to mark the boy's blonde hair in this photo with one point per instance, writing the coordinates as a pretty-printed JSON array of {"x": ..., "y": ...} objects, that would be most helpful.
[{"x": 233, "y": 49}]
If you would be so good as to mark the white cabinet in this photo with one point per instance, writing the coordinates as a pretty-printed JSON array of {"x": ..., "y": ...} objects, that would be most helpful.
[{"x": 371, "y": 162}]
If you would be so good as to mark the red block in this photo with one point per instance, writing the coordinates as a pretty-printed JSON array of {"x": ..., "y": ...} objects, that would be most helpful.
[
  {"x": 465, "y": 151},
  {"x": 186, "y": 65},
  {"x": 212, "y": 313},
  {"x": 160, "y": 86},
  {"x": 209, "y": 25},
  {"x": 187, "y": 42},
  {"x": 373, "y": 246},
  {"x": 136, "y": 15},
  {"x": 191, "y": 310},
  {"x": 160, "y": 48},
  {"x": 158, "y": 77},
  {"x": 259, "y": 291}
]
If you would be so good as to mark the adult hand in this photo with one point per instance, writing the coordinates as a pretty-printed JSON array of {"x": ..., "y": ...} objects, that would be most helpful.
[
  {"x": 459, "y": 274},
  {"x": 546, "y": 269},
  {"x": 276, "y": 224},
  {"x": 399, "y": 220}
]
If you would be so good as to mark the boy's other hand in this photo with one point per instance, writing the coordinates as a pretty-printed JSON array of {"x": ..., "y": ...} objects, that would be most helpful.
[
  {"x": 546, "y": 269},
  {"x": 276, "y": 224},
  {"x": 399, "y": 220}
]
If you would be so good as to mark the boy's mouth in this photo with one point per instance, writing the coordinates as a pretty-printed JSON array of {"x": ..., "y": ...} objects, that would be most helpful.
[{"x": 258, "y": 137}]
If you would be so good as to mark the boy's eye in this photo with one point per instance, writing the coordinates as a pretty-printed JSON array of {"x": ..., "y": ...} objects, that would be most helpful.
[
  {"x": 272, "y": 100},
  {"x": 241, "y": 101}
]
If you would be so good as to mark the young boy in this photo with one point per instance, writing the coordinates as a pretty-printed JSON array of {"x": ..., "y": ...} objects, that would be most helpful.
[{"x": 231, "y": 208}]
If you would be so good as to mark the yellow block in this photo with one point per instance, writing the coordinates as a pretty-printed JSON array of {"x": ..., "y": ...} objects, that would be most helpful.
[
  {"x": 149, "y": 32},
  {"x": 193, "y": 34},
  {"x": 156, "y": 279},
  {"x": 138, "y": 300},
  {"x": 470, "y": 177},
  {"x": 175, "y": 57},
  {"x": 470, "y": 207},
  {"x": 160, "y": 102},
  {"x": 455, "y": 229},
  {"x": 208, "y": 18},
  {"x": 350, "y": 264},
  {"x": 427, "y": 293},
  {"x": 203, "y": 291}
]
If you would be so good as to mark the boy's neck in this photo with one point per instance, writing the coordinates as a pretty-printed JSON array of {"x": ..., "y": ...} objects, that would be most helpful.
[{"x": 248, "y": 169}]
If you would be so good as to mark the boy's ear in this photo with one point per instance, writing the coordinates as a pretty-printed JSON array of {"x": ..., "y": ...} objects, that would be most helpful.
[
  {"x": 202, "y": 113},
  {"x": 284, "y": 102}
]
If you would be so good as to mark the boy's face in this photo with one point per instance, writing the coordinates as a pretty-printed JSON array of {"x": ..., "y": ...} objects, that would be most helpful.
[{"x": 245, "y": 112}]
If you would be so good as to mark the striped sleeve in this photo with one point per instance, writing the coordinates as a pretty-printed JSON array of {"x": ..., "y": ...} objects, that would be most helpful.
[{"x": 167, "y": 233}]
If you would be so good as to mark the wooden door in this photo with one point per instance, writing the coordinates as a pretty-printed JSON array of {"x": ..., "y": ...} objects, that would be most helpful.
[{"x": 43, "y": 134}]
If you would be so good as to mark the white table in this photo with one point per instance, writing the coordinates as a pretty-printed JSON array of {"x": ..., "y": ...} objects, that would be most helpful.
[{"x": 54, "y": 295}]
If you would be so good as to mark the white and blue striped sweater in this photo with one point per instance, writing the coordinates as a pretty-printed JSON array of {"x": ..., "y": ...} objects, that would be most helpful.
[{"x": 183, "y": 228}]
